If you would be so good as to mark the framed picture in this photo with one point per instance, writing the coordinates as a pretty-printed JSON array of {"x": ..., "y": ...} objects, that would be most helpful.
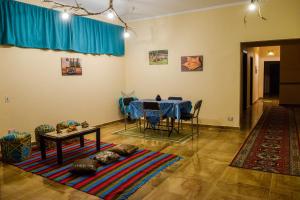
[
  {"x": 191, "y": 63},
  {"x": 158, "y": 57},
  {"x": 71, "y": 66}
]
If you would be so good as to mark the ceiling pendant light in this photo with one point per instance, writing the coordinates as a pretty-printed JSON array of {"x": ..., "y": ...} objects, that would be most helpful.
[
  {"x": 271, "y": 53},
  {"x": 65, "y": 16},
  {"x": 110, "y": 14},
  {"x": 252, "y": 7},
  {"x": 126, "y": 34}
]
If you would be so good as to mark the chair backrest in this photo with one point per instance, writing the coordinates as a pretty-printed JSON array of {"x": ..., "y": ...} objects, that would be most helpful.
[
  {"x": 127, "y": 100},
  {"x": 175, "y": 98},
  {"x": 197, "y": 108},
  {"x": 154, "y": 106}
]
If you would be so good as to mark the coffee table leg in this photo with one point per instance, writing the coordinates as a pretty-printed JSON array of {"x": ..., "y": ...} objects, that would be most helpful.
[
  {"x": 81, "y": 141},
  {"x": 98, "y": 139},
  {"x": 43, "y": 147},
  {"x": 59, "y": 152}
]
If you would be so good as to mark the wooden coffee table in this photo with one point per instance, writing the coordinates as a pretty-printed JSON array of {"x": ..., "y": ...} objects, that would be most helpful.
[{"x": 58, "y": 138}]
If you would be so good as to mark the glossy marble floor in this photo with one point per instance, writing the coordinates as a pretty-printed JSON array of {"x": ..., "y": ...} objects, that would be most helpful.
[{"x": 203, "y": 174}]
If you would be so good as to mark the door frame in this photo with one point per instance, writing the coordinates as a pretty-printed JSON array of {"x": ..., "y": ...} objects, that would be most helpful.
[
  {"x": 245, "y": 79},
  {"x": 251, "y": 81}
]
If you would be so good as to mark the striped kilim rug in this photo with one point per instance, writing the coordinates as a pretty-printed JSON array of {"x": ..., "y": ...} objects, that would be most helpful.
[
  {"x": 273, "y": 145},
  {"x": 118, "y": 180}
]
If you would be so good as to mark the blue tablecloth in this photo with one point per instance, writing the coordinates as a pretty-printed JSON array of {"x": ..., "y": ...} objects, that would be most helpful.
[
  {"x": 122, "y": 106},
  {"x": 168, "y": 108}
]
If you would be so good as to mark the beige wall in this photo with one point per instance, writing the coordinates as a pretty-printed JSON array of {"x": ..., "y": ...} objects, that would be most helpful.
[
  {"x": 38, "y": 93},
  {"x": 215, "y": 34}
]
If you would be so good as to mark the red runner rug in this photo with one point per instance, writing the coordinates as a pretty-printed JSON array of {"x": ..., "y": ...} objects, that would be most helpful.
[{"x": 273, "y": 145}]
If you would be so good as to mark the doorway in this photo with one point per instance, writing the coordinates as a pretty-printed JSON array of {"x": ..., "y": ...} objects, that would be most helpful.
[
  {"x": 251, "y": 81},
  {"x": 245, "y": 79},
  {"x": 271, "y": 79}
]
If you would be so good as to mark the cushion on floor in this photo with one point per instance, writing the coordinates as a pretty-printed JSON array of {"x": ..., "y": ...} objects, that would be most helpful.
[
  {"x": 84, "y": 166},
  {"x": 107, "y": 157},
  {"x": 124, "y": 149}
]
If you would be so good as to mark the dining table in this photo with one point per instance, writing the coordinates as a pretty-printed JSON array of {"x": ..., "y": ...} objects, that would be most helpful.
[{"x": 172, "y": 109}]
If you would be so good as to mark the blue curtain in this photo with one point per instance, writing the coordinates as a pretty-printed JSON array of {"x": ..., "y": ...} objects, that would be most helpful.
[{"x": 26, "y": 25}]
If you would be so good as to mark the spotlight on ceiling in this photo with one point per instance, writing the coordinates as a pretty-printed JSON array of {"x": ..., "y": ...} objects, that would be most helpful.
[
  {"x": 252, "y": 6},
  {"x": 65, "y": 16},
  {"x": 126, "y": 34},
  {"x": 110, "y": 14},
  {"x": 271, "y": 53}
]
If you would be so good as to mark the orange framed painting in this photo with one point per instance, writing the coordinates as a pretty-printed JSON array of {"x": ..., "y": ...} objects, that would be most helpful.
[
  {"x": 191, "y": 63},
  {"x": 71, "y": 67}
]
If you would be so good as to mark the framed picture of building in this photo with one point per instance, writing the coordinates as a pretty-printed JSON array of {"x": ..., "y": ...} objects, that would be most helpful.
[
  {"x": 191, "y": 63},
  {"x": 71, "y": 66},
  {"x": 158, "y": 57}
]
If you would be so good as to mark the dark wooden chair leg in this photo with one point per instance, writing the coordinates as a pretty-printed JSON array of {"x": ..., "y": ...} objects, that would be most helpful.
[
  {"x": 192, "y": 128},
  {"x": 140, "y": 124},
  {"x": 181, "y": 124},
  {"x": 197, "y": 126},
  {"x": 125, "y": 121}
]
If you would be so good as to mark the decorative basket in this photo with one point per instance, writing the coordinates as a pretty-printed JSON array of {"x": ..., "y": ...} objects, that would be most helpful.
[
  {"x": 15, "y": 147},
  {"x": 42, "y": 129}
]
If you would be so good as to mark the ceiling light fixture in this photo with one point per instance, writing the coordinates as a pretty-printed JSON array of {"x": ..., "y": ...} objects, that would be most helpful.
[
  {"x": 110, "y": 14},
  {"x": 254, "y": 6},
  {"x": 271, "y": 53},
  {"x": 78, "y": 10},
  {"x": 65, "y": 15},
  {"x": 126, "y": 34}
]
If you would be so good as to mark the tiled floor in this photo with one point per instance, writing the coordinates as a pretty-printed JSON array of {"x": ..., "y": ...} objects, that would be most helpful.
[{"x": 203, "y": 174}]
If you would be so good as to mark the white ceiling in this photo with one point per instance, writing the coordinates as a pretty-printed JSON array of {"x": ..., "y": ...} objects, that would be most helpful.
[{"x": 140, "y": 9}]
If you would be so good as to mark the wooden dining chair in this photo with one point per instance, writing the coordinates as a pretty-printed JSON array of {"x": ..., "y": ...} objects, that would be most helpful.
[
  {"x": 151, "y": 107},
  {"x": 175, "y": 98},
  {"x": 192, "y": 116},
  {"x": 126, "y": 102}
]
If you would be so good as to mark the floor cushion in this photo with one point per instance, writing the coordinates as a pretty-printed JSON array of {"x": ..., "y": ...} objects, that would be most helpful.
[
  {"x": 124, "y": 149},
  {"x": 84, "y": 166},
  {"x": 107, "y": 157}
]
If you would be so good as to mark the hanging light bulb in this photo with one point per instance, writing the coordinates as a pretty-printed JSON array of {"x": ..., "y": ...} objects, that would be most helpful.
[
  {"x": 110, "y": 14},
  {"x": 65, "y": 16},
  {"x": 126, "y": 34},
  {"x": 252, "y": 6},
  {"x": 271, "y": 53}
]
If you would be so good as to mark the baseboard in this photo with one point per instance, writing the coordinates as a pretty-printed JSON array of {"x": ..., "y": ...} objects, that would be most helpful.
[
  {"x": 220, "y": 127},
  {"x": 109, "y": 123},
  {"x": 186, "y": 124}
]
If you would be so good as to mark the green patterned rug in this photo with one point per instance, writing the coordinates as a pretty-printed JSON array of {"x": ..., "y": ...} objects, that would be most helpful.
[{"x": 183, "y": 136}]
